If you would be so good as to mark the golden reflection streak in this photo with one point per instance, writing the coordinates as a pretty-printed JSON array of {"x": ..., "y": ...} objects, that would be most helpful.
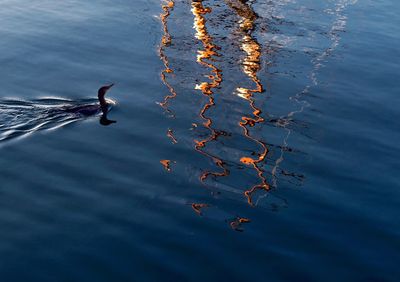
[
  {"x": 165, "y": 42},
  {"x": 208, "y": 53},
  {"x": 251, "y": 66}
]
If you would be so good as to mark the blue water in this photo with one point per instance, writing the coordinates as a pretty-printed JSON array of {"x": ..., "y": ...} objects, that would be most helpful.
[{"x": 254, "y": 141}]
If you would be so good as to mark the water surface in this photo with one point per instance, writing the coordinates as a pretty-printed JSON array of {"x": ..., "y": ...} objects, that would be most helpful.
[{"x": 255, "y": 140}]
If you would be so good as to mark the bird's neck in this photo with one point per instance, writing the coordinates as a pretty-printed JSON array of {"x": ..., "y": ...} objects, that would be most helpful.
[{"x": 102, "y": 100}]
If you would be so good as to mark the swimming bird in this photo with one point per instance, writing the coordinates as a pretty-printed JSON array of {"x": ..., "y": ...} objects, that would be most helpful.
[
  {"x": 90, "y": 110},
  {"x": 19, "y": 118}
]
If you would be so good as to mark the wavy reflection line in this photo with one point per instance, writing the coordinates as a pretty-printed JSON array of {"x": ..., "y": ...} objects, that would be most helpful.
[
  {"x": 251, "y": 65},
  {"x": 338, "y": 26},
  {"x": 208, "y": 53},
  {"x": 165, "y": 42}
]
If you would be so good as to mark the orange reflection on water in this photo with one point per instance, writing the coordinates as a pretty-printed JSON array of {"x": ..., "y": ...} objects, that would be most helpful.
[
  {"x": 166, "y": 164},
  {"x": 198, "y": 207},
  {"x": 165, "y": 42},
  {"x": 170, "y": 135},
  {"x": 237, "y": 223},
  {"x": 250, "y": 66},
  {"x": 204, "y": 57}
]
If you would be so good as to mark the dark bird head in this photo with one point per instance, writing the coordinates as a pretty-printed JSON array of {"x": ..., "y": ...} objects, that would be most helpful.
[{"x": 102, "y": 92}]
